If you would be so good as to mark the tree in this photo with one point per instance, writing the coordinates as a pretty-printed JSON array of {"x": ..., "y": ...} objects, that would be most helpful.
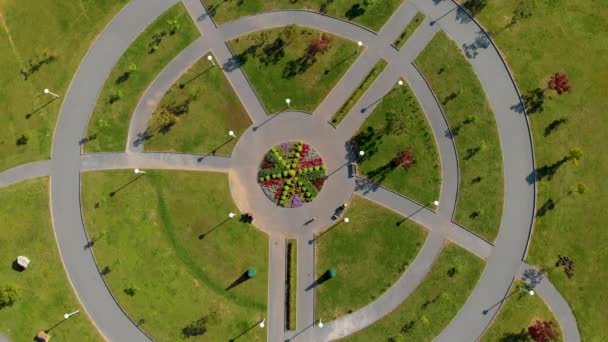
[
  {"x": 163, "y": 121},
  {"x": 568, "y": 264},
  {"x": 522, "y": 11},
  {"x": 174, "y": 25},
  {"x": 9, "y": 294},
  {"x": 543, "y": 331},
  {"x": 475, "y": 6},
  {"x": 320, "y": 45},
  {"x": 574, "y": 155},
  {"x": 559, "y": 83},
  {"x": 580, "y": 188},
  {"x": 395, "y": 123},
  {"x": 405, "y": 159}
]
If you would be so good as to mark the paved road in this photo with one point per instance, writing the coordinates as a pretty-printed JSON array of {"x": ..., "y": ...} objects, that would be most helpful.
[
  {"x": 65, "y": 167},
  {"x": 504, "y": 259}
]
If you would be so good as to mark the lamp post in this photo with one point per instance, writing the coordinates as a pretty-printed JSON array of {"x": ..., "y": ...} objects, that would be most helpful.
[
  {"x": 346, "y": 220},
  {"x": 68, "y": 315},
  {"x": 436, "y": 203},
  {"x": 530, "y": 292},
  {"x": 359, "y": 44},
  {"x": 138, "y": 171},
  {"x": 231, "y": 134},
  {"x": 400, "y": 83},
  {"x": 263, "y": 323},
  {"x": 210, "y": 59},
  {"x": 361, "y": 153},
  {"x": 288, "y": 101},
  {"x": 231, "y": 215},
  {"x": 320, "y": 323},
  {"x": 46, "y": 91}
]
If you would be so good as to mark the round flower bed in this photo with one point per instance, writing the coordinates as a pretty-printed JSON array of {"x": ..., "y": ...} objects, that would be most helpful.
[{"x": 292, "y": 174}]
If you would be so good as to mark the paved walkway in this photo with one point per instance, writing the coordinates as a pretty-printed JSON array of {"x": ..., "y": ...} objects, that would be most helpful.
[
  {"x": 504, "y": 257},
  {"x": 556, "y": 302}
]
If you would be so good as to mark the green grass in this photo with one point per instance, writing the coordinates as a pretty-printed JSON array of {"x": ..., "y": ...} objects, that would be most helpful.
[
  {"x": 292, "y": 269},
  {"x": 306, "y": 89},
  {"x": 46, "y": 292},
  {"x": 369, "y": 254},
  {"x": 149, "y": 236},
  {"x": 68, "y": 28},
  {"x": 213, "y": 111},
  {"x": 442, "y": 294},
  {"x": 576, "y": 227},
  {"x": 479, "y": 206},
  {"x": 109, "y": 122},
  {"x": 374, "y": 15},
  {"x": 409, "y": 30},
  {"x": 519, "y": 312},
  {"x": 356, "y": 95},
  {"x": 422, "y": 182}
]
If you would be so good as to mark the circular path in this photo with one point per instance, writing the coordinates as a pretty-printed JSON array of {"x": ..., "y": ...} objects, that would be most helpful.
[{"x": 504, "y": 257}]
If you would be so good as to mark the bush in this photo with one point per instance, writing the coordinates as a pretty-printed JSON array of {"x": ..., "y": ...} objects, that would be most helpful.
[{"x": 9, "y": 294}]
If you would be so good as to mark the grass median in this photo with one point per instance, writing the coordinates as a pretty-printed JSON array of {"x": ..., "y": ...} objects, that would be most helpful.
[
  {"x": 294, "y": 62},
  {"x": 473, "y": 128},
  {"x": 398, "y": 127},
  {"x": 197, "y": 113},
  {"x": 390, "y": 243},
  {"x": 171, "y": 256}
]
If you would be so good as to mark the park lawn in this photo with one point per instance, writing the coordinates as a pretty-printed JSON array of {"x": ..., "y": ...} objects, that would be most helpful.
[
  {"x": 457, "y": 88},
  {"x": 373, "y": 15},
  {"x": 409, "y": 30},
  {"x": 46, "y": 292},
  {"x": 69, "y": 28},
  {"x": 431, "y": 307},
  {"x": 154, "y": 226},
  {"x": 109, "y": 123},
  {"x": 356, "y": 95},
  {"x": 517, "y": 313},
  {"x": 576, "y": 226},
  {"x": 422, "y": 182},
  {"x": 292, "y": 285},
  {"x": 267, "y": 65},
  {"x": 212, "y": 109},
  {"x": 369, "y": 254}
]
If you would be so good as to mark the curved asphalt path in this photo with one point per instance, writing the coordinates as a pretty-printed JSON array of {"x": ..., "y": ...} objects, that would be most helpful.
[
  {"x": 65, "y": 167},
  {"x": 505, "y": 257}
]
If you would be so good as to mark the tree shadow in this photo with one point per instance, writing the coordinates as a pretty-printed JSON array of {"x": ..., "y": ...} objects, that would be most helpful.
[
  {"x": 241, "y": 279},
  {"x": 113, "y": 193},
  {"x": 545, "y": 172},
  {"x": 546, "y": 207},
  {"x": 366, "y": 186},
  {"x": 214, "y": 150},
  {"x": 142, "y": 137},
  {"x": 202, "y": 236},
  {"x": 481, "y": 42},
  {"x": 183, "y": 85},
  {"x": 534, "y": 100},
  {"x": 521, "y": 336},
  {"x": 554, "y": 125},
  {"x": 29, "y": 115},
  {"x": 323, "y": 278},
  {"x": 244, "y": 332},
  {"x": 327, "y": 71},
  {"x": 354, "y": 11},
  {"x": 87, "y": 139},
  {"x": 518, "y": 108}
]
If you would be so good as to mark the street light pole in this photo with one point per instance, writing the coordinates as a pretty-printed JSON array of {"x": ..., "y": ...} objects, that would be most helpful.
[
  {"x": 262, "y": 323},
  {"x": 138, "y": 171},
  {"x": 320, "y": 323},
  {"x": 210, "y": 59},
  {"x": 68, "y": 315},
  {"x": 231, "y": 215},
  {"x": 359, "y": 44},
  {"x": 231, "y": 134},
  {"x": 46, "y": 91},
  {"x": 288, "y": 101}
]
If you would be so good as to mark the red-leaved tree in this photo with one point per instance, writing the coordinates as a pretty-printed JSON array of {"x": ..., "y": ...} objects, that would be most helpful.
[
  {"x": 559, "y": 83},
  {"x": 320, "y": 45},
  {"x": 405, "y": 158},
  {"x": 543, "y": 331}
]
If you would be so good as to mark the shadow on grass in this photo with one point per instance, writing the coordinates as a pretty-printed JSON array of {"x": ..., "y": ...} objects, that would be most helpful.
[
  {"x": 29, "y": 115},
  {"x": 245, "y": 332},
  {"x": 113, "y": 193},
  {"x": 214, "y": 150},
  {"x": 243, "y": 278},
  {"x": 202, "y": 236},
  {"x": 183, "y": 85}
]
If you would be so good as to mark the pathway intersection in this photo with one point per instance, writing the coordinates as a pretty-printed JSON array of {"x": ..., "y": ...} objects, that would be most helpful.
[{"x": 504, "y": 257}]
